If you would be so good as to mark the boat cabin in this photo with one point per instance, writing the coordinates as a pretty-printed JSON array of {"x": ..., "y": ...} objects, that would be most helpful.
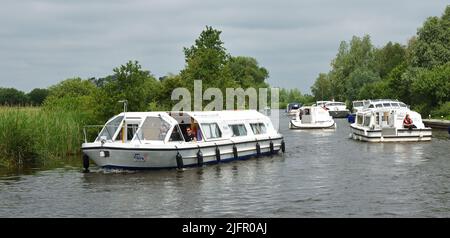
[
  {"x": 379, "y": 118},
  {"x": 167, "y": 127}
]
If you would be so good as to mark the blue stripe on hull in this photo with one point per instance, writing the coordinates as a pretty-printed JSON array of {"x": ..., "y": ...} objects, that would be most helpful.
[{"x": 187, "y": 166}]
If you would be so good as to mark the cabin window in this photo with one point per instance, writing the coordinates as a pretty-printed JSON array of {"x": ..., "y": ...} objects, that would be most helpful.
[
  {"x": 176, "y": 135},
  {"x": 377, "y": 118},
  {"x": 402, "y": 104},
  {"x": 394, "y": 104},
  {"x": 371, "y": 106},
  {"x": 359, "y": 119},
  {"x": 211, "y": 130},
  {"x": 110, "y": 129},
  {"x": 154, "y": 128},
  {"x": 379, "y": 105},
  {"x": 131, "y": 130},
  {"x": 239, "y": 130},
  {"x": 367, "y": 120},
  {"x": 386, "y": 104},
  {"x": 358, "y": 104},
  {"x": 258, "y": 128}
]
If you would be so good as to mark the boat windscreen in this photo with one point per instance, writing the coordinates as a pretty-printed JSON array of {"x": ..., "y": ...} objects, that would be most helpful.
[
  {"x": 110, "y": 129},
  {"x": 154, "y": 128}
]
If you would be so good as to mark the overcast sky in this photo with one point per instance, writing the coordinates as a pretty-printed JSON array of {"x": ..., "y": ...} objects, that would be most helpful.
[{"x": 44, "y": 42}]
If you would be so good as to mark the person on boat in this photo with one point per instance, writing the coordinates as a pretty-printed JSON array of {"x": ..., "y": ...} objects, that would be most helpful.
[
  {"x": 408, "y": 123},
  {"x": 190, "y": 135}
]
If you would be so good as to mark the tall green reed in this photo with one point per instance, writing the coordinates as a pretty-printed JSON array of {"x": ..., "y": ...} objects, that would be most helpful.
[{"x": 36, "y": 135}]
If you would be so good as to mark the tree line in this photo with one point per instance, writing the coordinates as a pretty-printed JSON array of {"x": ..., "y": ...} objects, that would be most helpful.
[
  {"x": 14, "y": 97},
  {"x": 417, "y": 73}
]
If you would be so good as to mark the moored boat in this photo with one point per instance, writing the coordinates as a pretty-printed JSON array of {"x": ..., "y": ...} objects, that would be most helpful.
[
  {"x": 312, "y": 117},
  {"x": 384, "y": 123},
  {"x": 337, "y": 109},
  {"x": 293, "y": 108},
  {"x": 150, "y": 140}
]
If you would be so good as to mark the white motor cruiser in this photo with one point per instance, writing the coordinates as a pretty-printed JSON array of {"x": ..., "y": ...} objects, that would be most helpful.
[
  {"x": 382, "y": 121},
  {"x": 337, "y": 109},
  {"x": 314, "y": 117},
  {"x": 293, "y": 108},
  {"x": 147, "y": 140}
]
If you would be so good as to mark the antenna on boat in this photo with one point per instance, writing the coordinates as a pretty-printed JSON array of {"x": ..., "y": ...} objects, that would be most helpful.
[{"x": 125, "y": 104}]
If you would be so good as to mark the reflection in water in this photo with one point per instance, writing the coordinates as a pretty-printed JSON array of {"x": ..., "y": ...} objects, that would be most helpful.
[{"x": 322, "y": 173}]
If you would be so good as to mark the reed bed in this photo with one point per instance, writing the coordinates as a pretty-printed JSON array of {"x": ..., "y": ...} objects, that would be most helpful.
[{"x": 36, "y": 135}]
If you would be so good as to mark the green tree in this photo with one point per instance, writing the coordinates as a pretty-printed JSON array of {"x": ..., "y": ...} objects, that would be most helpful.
[
  {"x": 432, "y": 46},
  {"x": 389, "y": 57},
  {"x": 38, "y": 95},
  {"x": 74, "y": 95},
  {"x": 129, "y": 82},
  {"x": 322, "y": 88},
  {"x": 246, "y": 72},
  {"x": 205, "y": 60},
  {"x": 379, "y": 89},
  {"x": 359, "y": 53},
  {"x": 431, "y": 88},
  {"x": 12, "y": 97}
]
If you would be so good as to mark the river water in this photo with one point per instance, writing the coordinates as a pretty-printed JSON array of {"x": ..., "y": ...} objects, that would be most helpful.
[{"x": 322, "y": 174}]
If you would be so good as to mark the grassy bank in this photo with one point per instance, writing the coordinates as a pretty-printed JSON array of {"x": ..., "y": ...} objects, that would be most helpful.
[{"x": 34, "y": 135}]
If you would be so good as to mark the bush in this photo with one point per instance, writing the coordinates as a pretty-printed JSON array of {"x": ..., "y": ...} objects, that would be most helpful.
[{"x": 442, "y": 112}]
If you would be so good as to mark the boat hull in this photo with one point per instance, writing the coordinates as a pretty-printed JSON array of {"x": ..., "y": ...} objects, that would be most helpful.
[
  {"x": 339, "y": 114},
  {"x": 158, "y": 158},
  {"x": 397, "y": 135},
  {"x": 293, "y": 124}
]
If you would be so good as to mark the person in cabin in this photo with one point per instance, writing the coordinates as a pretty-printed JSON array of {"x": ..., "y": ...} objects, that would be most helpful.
[
  {"x": 190, "y": 135},
  {"x": 408, "y": 123}
]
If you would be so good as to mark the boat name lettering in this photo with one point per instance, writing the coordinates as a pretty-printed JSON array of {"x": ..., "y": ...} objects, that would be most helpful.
[{"x": 139, "y": 157}]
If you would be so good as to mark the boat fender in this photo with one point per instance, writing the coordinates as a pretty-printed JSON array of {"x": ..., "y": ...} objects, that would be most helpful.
[
  {"x": 199, "y": 158},
  {"x": 179, "y": 158},
  {"x": 283, "y": 146},
  {"x": 271, "y": 147},
  {"x": 86, "y": 163},
  {"x": 235, "y": 152},
  {"x": 258, "y": 149},
  {"x": 217, "y": 153}
]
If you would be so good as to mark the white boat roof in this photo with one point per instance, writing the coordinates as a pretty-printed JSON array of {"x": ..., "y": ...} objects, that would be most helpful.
[{"x": 201, "y": 116}]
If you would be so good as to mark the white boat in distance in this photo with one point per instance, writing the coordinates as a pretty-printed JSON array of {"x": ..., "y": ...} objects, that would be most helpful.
[
  {"x": 149, "y": 140},
  {"x": 313, "y": 117},
  {"x": 382, "y": 121},
  {"x": 293, "y": 108}
]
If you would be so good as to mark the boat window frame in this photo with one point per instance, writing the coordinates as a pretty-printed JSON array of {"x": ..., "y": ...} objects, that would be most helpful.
[
  {"x": 361, "y": 121},
  {"x": 136, "y": 135},
  {"x": 238, "y": 124},
  {"x": 259, "y": 124},
  {"x": 203, "y": 131},
  {"x": 367, "y": 124},
  {"x": 105, "y": 127},
  {"x": 176, "y": 126}
]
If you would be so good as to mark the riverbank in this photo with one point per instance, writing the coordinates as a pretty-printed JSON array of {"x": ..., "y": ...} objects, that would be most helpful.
[{"x": 437, "y": 123}]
